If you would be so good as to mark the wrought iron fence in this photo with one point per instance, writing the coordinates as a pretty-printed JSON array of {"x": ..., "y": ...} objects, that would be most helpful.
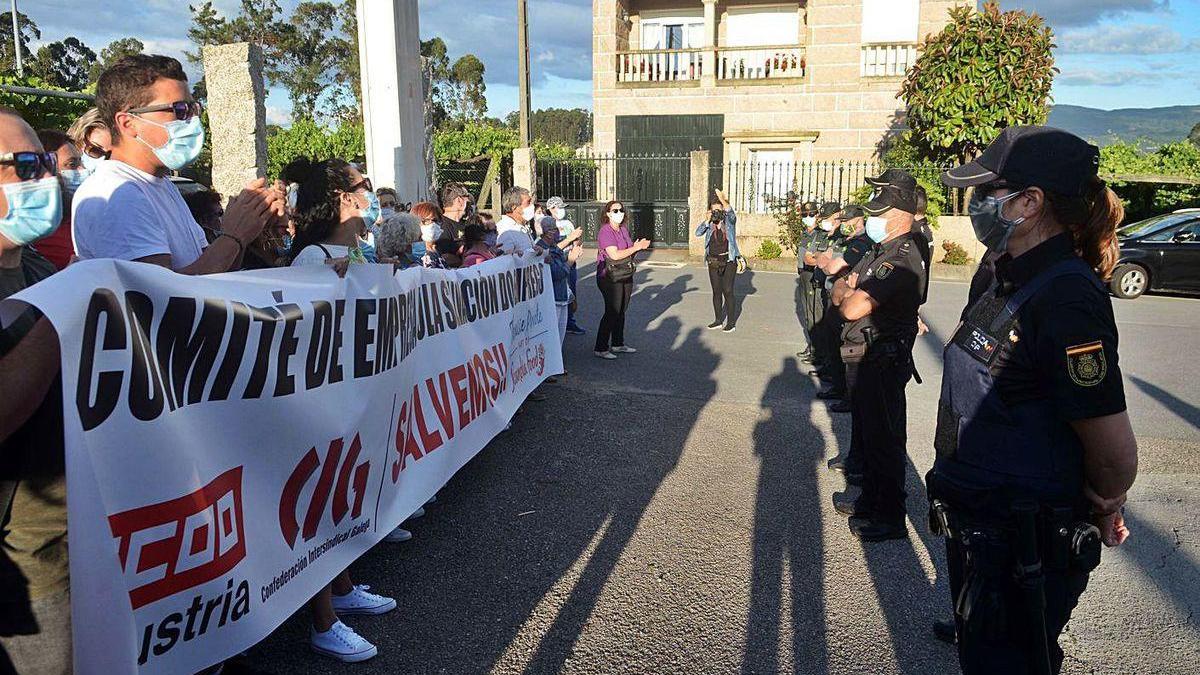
[
  {"x": 600, "y": 178},
  {"x": 472, "y": 174},
  {"x": 755, "y": 187}
]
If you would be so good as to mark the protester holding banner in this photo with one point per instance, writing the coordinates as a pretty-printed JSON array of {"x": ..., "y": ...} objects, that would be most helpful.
[
  {"x": 35, "y": 603},
  {"x": 512, "y": 233},
  {"x": 329, "y": 211},
  {"x": 129, "y": 209},
  {"x": 614, "y": 276},
  {"x": 427, "y": 254},
  {"x": 560, "y": 263},
  {"x": 475, "y": 246}
]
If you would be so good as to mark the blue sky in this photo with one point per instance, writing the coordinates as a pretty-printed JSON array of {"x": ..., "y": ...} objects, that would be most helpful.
[{"x": 1112, "y": 53}]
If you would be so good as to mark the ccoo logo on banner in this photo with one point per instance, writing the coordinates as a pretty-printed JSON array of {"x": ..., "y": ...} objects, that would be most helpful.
[{"x": 235, "y": 441}]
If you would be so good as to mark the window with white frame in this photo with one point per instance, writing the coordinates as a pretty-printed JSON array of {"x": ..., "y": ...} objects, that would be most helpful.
[
  {"x": 759, "y": 26},
  {"x": 889, "y": 36},
  {"x": 674, "y": 31}
]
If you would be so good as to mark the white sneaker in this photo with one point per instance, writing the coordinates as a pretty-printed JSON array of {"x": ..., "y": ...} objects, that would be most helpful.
[
  {"x": 418, "y": 513},
  {"x": 342, "y": 643},
  {"x": 606, "y": 355},
  {"x": 623, "y": 350},
  {"x": 398, "y": 535},
  {"x": 359, "y": 601}
]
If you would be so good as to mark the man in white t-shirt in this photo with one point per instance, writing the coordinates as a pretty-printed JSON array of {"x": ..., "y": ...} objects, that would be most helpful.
[
  {"x": 129, "y": 209},
  {"x": 511, "y": 233}
]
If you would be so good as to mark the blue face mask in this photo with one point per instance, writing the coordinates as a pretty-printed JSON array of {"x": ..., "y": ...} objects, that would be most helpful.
[
  {"x": 34, "y": 210},
  {"x": 91, "y": 163},
  {"x": 185, "y": 139},
  {"x": 371, "y": 213},
  {"x": 72, "y": 179},
  {"x": 418, "y": 250},
  {"x": 877, "y": 229}
]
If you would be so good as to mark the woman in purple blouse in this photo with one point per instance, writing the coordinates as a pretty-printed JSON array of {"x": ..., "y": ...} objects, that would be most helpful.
[{"x": 614, "y": 243}]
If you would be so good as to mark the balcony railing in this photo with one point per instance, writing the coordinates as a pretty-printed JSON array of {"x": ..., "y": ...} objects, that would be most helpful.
[
  {"x": 761, "y": 63},
  {"x": 659, "y": 65},
  {"x": 892, "y": 60}
]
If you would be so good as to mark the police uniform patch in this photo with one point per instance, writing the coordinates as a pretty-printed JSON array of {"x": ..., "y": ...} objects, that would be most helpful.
[
  {"x": 884, "y": 270},
  {"x": 1086, "y": 364}
]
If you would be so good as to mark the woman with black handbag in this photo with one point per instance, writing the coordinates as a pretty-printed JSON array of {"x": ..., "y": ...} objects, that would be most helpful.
[{"x": 614, "y": 275}]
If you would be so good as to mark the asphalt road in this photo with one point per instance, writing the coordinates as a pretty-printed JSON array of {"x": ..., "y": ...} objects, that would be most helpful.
[{"x": 670, "y": 512}]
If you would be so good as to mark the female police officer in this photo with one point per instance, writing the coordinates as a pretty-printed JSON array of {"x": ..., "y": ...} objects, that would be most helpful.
[{"x": 1034, "y": 447}]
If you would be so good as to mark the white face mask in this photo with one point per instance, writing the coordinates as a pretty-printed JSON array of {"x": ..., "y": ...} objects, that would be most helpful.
[
  {"x": 809, "y": 221},
  {"x": 616, "y": 218},
  {"x": 527, "y": 213},
  {"x": 827, "y": 225},
  {"x": 431, "y": 232},
  {"x": 559, "y": 214}
]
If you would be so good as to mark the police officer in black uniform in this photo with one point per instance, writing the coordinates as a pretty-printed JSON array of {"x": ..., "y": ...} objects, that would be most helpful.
[
  {"x": 804, "y": 273},
  {"x": 879, "y": 301},
  {"x": 849, "y": 243},
  {"x": 1034, "y": 448},
  {"x": 821, "y": 240}
]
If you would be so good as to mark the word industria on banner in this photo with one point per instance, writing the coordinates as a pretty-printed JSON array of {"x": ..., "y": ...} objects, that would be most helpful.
[{"x": 235, "y": 441}]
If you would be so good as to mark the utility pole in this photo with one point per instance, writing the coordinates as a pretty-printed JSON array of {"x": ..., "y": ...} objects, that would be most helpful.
[
  {"x": 17, "y": 41},
  {"x": 523, "y": 72}
]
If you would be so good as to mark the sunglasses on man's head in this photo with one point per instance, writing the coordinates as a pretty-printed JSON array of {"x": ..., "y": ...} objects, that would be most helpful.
[
  {"x": 184, "y": 110},
  {"x": 30, "y": 165}
]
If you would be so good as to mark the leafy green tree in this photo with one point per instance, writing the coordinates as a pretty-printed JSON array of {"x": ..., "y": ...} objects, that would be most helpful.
[
  {"x": 308, "y": 139},
  {"x": 348, "y": 74},
  {"x": 28, "y": 31},
  {"x": 558, "y": 125},
  {"x": 42, "y": 112},
  {"x": 66, "y": 63},
  {"x": 208, "y": 28},
  {"x": 1142, "y": 200},
  {"x": 433, "y": 51},
  {"x": 985, "y": 71},
  {"x": 308, "y": 55},
  {"x": 473, "y": 140},
  {"x": 470, "y": 101},
  {"x": 1194, "y": 136},
  {"x": 115, "y": 50}
]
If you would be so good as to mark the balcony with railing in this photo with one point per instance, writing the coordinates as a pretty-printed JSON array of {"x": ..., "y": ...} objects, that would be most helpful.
[
  {"x": 772, "y": 62},
  {"x": 731, "y": 64},
  {"x": 660, "y": 65},
  {"x": 888, "y": 60}
]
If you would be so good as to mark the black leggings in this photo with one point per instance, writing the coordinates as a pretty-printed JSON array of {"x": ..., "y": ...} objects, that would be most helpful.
[
  {"x": 721, "y": 274},
  {"x": 616, "y": 301}
]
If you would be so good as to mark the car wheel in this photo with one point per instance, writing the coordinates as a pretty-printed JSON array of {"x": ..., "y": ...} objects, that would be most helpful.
[{"x": 1129, "y": 281}]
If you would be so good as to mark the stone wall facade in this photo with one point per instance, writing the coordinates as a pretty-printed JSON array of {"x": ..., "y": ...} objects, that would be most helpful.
[{"x": 832, "y": 112}]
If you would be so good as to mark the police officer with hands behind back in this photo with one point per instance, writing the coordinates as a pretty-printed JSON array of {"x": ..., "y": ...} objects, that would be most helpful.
[
  {"x": 1034, "y": 448},
  {"x": 879, "y": 301}
]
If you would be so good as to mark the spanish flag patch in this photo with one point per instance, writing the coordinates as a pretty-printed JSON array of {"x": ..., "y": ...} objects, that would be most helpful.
[{"x": 1086, "y": 364}]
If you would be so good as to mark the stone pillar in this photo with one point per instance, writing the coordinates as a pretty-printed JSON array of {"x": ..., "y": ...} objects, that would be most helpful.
[
  {"x": 389, "y": 56},
  {"x": 697, "y": 199},
  {"x": 525, "y": 168},
  {"x": 708, "y": 74},
  {"x": 237, "y": 115}
]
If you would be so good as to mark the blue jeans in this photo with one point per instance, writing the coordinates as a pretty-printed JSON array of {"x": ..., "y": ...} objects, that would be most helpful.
[{"x": 572, "y": 280}]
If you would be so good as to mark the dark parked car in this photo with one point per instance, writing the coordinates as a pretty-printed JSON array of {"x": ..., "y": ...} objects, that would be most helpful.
[{"x": 1159, "y": 254}]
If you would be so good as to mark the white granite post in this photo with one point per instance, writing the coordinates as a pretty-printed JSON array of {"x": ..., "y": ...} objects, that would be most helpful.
[{"x": 237, "y": 115}]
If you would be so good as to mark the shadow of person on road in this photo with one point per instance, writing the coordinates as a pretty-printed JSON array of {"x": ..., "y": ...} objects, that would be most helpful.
[
  {"x": 1184, "y": 410},
  {"x": 787, "y": 540}
]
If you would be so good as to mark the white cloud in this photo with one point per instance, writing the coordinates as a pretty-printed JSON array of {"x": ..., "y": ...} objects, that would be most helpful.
[
  {"x": 1060, "y": 13},
  {"x": 1109, "y": 78},
  {"x": 1124, "y": 39},
  {"x": 278, "y": 116}
]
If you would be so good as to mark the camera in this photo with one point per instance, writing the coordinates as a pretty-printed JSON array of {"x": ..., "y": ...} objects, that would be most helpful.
[{"x": 717, "y": 215}]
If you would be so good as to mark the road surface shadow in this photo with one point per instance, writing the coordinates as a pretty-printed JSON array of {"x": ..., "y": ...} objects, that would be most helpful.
[{"x": 787, "y": 539}]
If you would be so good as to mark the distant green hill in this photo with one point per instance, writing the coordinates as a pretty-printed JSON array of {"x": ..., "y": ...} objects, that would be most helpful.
[{"x": 1151, "y": 125}]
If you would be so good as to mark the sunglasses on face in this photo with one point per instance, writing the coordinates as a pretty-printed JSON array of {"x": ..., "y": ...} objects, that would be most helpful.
[
  {"x": 95, "y": 151},
  {"x": 30, "y": 165},
  {"x": 364, "y": 184},
  {"x": 616, "y": 211},
  {"x": 184, "y": 110}
]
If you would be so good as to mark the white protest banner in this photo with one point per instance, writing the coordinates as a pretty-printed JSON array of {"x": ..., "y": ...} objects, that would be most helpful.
[{"x": 235, "y": 441}]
